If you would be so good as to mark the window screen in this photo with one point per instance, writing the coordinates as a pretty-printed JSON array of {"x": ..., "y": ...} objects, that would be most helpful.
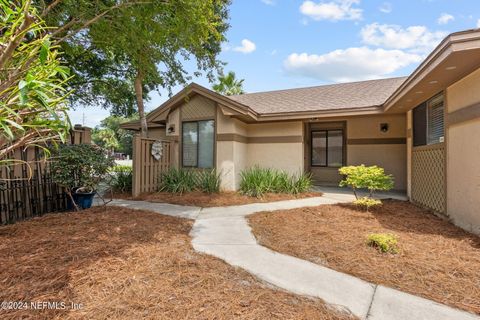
[
  {"x": 206, "y": 144},
  {"x": 198, "y": 144},
  {"x": 319, "y": 148},
  {"x": 335, "y": 148},
  {"x": 435, "y": 120},
  {"x": 190, "y": 144},
  {"x": 428, "y": 122}
]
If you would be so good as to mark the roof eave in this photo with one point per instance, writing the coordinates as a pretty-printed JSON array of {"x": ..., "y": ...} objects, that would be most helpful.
[
  {"x": 301, "y": 115},
  {"x": 441, "y": 51}
]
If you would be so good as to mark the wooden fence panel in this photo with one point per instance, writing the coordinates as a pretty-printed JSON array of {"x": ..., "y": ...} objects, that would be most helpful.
[
  {"x": 147, "y": 169},
  {"x": 26, "y": 187},
  {"x": 27, "y": 190}
]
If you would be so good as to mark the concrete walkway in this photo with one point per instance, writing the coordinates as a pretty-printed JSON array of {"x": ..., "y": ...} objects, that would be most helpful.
[{"x": 225, "y": 233}]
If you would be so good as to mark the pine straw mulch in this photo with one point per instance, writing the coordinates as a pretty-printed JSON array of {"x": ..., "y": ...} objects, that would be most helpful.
[
  {"x": 437, "y": 260},
  {"x": 222, "y": 199},
  {"x": 126, "y": 264}
]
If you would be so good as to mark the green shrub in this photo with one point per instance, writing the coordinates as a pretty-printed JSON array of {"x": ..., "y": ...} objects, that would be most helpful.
[
  {"x": 384, "y": 242},
  {"x": 122, "y": 178},
  {"x": 302, "y": 183},
  {"x": 371, "y": 178},
  {"x": 367, "y": 203},
  {"x": 187, "y": 180},
  {"x": 81, "y": 166},
  {"x": 361, "y": 177},
  {"x": 177, "y": 181},
  {"x": 256, "y": 181},
  {"x": 208, "y": 181}
]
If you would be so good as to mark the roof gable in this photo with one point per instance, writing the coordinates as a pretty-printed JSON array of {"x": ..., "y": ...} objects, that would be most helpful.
[{"x": 160, "y": 114}]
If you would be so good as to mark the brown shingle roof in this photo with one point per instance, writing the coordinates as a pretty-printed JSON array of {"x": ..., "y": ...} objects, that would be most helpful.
[{"x": 328, "y": 97}]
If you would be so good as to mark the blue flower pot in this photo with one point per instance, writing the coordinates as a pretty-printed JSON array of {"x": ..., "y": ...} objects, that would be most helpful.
[{"x": 83, "y": 200}]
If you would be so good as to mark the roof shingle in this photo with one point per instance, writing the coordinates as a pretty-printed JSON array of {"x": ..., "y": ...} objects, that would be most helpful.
[{"x": 327, "y": 97}]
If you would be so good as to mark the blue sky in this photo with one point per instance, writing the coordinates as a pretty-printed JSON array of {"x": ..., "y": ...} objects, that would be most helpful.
[{"x": 278, "y": 44}]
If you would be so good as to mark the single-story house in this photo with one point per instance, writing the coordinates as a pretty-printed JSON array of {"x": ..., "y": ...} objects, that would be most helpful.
[{"x": 424, "y": 129}]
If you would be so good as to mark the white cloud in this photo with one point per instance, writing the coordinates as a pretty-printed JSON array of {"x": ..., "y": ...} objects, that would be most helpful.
[
  {"x": 416, "y": 39},
  {"x": 445, "y": 18},
  {"x": 333, "y": 10},
  {"x": 478, "y": 23},
  {"x": 246, "y": 47},
  {"x": 269, "y": 2},
  {"x": 351, "y": 64},
  {"x": 386, "y": 7}
]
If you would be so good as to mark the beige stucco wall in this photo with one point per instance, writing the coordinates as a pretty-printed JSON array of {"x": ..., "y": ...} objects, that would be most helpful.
[
  {"x": 235, "y": 156},
  {"x": 463, "y": 155},
  {"x": 369, "y": 126},
  {"x": 276, "y": 129},
  {"x": 231, "y": 155},
  {"x": 464, "y": 93},
  {"x": 281, "y": 144},
  {"x": 286, "y": 156},
  {"x": 391, "y": 157}
]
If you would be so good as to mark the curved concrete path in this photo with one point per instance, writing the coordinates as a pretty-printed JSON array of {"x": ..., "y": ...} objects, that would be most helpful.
[{"x": 224, "y": 233}]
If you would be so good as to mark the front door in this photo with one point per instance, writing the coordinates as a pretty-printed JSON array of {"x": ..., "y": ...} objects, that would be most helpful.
[{"x": 326, "y": 151}]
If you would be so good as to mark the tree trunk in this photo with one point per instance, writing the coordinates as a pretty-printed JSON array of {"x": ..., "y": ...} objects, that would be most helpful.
[{"x": 141, "y": 109}]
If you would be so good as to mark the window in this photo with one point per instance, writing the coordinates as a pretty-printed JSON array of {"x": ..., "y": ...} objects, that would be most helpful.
[
  {"x": 327, "y": 148},
  {"x": 198, "y": 144},
  {"x": 428, "y": 122}
]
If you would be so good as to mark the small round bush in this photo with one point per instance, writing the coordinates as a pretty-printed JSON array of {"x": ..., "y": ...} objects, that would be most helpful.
[
  {"x": 367, "y": 203},
  {"x": 384, "y": 242}
]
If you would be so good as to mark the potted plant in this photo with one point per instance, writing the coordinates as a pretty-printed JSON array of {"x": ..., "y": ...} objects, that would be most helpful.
[{"x": 79, "y": 169}]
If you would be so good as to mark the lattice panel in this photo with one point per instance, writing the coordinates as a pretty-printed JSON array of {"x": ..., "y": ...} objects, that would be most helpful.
[
  {"x": 428, "y": 177},
  {"x": 198, "y": 108}
]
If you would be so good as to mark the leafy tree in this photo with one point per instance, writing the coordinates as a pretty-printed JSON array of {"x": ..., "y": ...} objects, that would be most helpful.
[
  {"x": 106, "y": 138},
  {"x": 229, "y": 85},
  {"x": 97, "y": 81},
  {"x": 123, "y": 138},
  {"x": 121, "y": 50},
  {"x": 32, "y": 81},
  {"x": 152, "y": 41}
]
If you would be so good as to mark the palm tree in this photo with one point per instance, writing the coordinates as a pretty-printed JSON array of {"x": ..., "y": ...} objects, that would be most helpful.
[
  {"x": 106, "y": 138},
  {"x": 228, "y": 85}
]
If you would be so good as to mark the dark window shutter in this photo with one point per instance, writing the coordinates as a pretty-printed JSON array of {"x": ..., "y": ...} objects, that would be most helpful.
[{"x": 420, "y": 125}]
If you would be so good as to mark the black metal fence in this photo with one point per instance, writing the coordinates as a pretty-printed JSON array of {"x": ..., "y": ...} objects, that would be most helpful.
[{"x": 27, "y": 189}]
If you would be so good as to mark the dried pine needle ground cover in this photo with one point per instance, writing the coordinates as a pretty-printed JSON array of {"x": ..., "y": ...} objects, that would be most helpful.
[
  {"x": 436, "y": 260},
  {"x": 222, "y": 199},
  {"x": 124, "y": 264}
]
